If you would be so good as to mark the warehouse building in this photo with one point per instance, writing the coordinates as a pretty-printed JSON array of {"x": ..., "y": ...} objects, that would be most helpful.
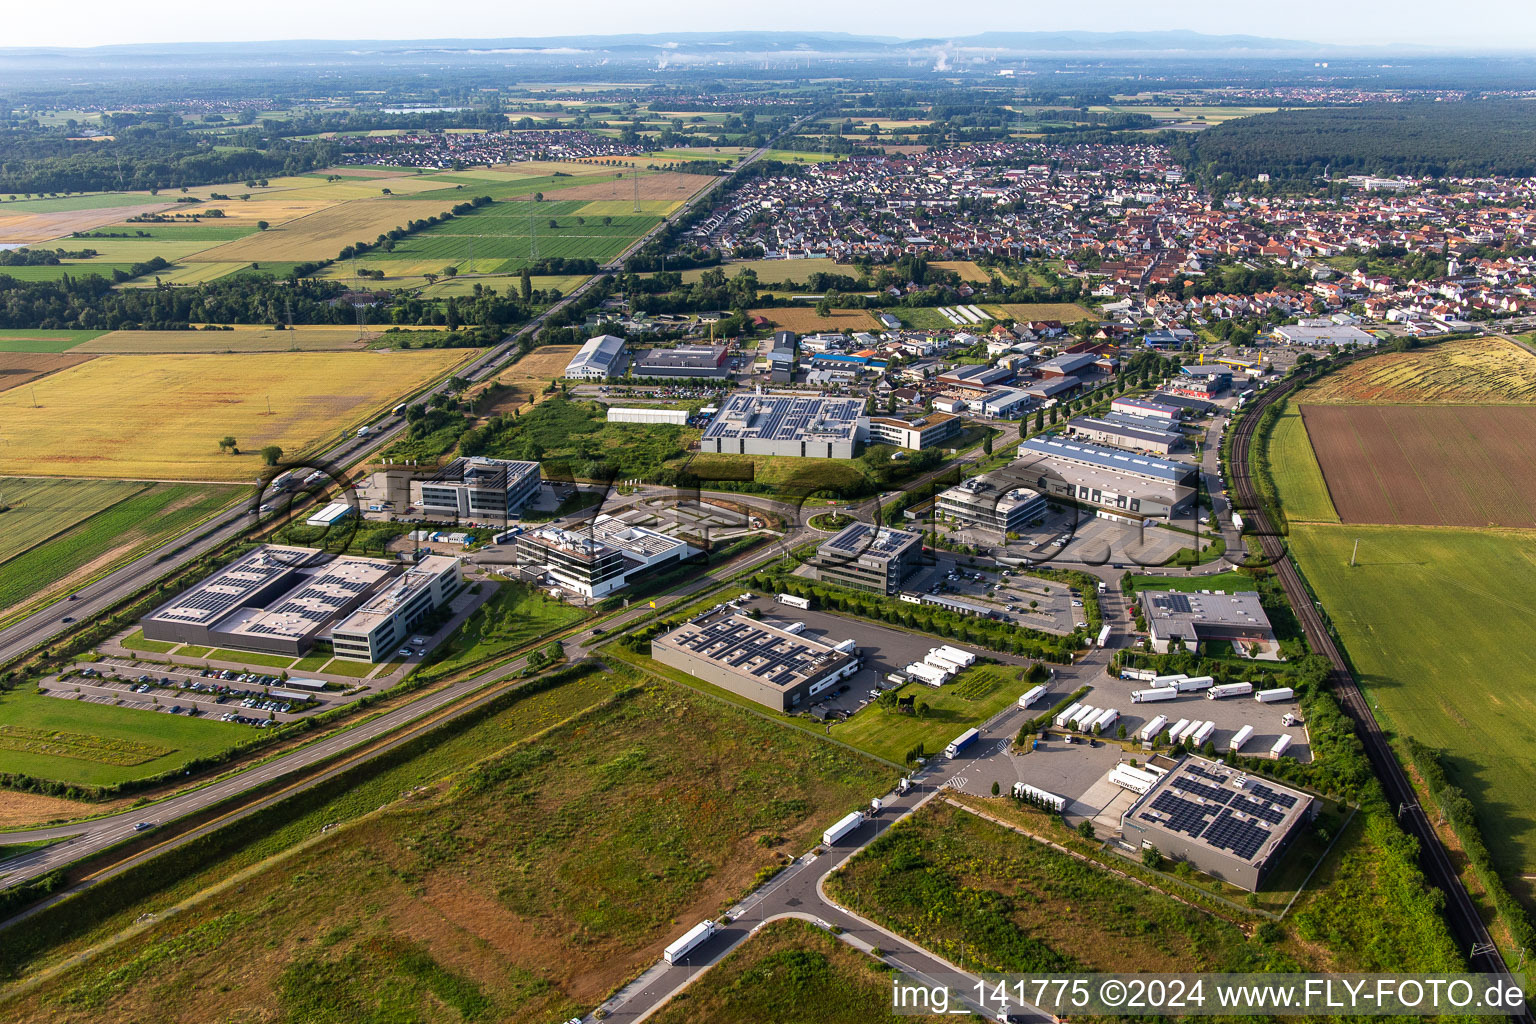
[
  {"x": 1089, "y": 474},
  {"x": 1066, "y": 366},
  {"x": 604, "y": 557},
  {"x": 1005, "y": 403},
  {"x": 766, "y": 662},
  {"x": 757, "y": 424},
  {"x": 1147, "y": 409},
  {"x": 382, "y": 623},
  {"x": 1129, "y": 432},
  {"x": 865, "y": 557},
  {"x": 781, "y": 357},
  {"x": 994, "y": 501},
  {"x": 1223, "y": 821},
  {"x": 924, "y": 432},
  {"x": 477, "y": 488},
  {"x": 976, "y": 377},
  {"x": 275, "y": 599},
  {"x": 675, "y": 417},
  {"x": 683, "y": 361},
  {"x": 599, "y": 358},
  {"x": 1174, "y": 617}
]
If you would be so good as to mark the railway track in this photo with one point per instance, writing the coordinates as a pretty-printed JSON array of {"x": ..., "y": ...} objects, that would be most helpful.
[{"x": 1461, "y": 912}]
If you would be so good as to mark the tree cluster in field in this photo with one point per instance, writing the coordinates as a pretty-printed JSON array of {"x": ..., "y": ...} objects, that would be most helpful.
[
  {"x": 43, "y": 257},
  {"x": 1420, "y": 139}
]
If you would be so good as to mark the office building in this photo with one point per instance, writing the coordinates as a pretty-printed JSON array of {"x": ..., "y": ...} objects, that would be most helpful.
[
  {"x": 757, "y": 424},
  {"x": 477, "y": 488},
  {"x": 683, "y": 362},
  {"x": 993, "y": 501},
  {"x": 599, "y": 358},
  {"x": 866, "y": 557},
  {"x": 377, "y": 628},
  {"x": 1192, "y": 618},
  {"x": 275, "y": 599},
  {"x": 599, "y": 559},
  {"x": 1221, "y": 820},
  {"x": 1140, "y": 485},
  {"x": 1147, "y": 409},
  {"x": 776, "y": 666},
  {"x": 923, "y": 432}
]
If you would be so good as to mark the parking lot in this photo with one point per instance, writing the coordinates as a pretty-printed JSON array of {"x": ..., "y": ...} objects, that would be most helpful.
[
  {"x": 1027, "y": 600},
  {"x": 248, "y": 698}
]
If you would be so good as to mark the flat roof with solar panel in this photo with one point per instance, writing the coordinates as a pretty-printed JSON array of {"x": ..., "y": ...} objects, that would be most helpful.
[
  {"x": 757, "y": 424},
  {"x": 772, "y": 663},
  {"x": 275, "y": 598},
  {"x": 1223, "y": 820}
]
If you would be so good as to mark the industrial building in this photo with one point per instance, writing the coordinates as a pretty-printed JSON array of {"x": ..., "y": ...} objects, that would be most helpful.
[
  {"x": 774, "y": 664},
  {"x": 757, "y": 424},
  {"x": 675, "y": 417},
  {"x": 377, "y": 628},
  {"x": 1147, "y": 409},
  {"x": 915, "y": 434},
  {"x": 604, "y": 557},
  {"x": 995, "y": 501},
  {"x": 1132, "y": 432},
  {"x": 781, "y": 357},
  {"x": 1223, "y": 821},
  {"x": 1005, "y": 403},
  {"x": 865, "y": 557},
  {"x": 275, "y": 599},
  {"x": 683, "y": 361},
  {"x": 599, "y": 358},
  {"x": 1194, "y": 618},
  {"x": 976, "y": 377},
  {"x": 1066, "y": 366},
  {"x": 1140, "y": 485},
  {"x": 476, "y": 488}
]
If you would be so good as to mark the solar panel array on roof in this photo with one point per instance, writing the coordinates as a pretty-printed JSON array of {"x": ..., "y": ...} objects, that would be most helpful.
[
  {"x": 786, "y": 418},
  {"x": 748, "y": 647},
  {"x": 1263, "y": 792},
  {"x": 1218, "y": 806},
  {"x": 1163, "y": 470}
]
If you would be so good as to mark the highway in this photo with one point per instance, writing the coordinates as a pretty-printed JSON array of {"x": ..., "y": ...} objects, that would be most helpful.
[{"x": 1461, "y": 912}]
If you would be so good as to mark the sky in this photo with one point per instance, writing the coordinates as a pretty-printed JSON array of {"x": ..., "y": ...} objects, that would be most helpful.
[{"x": 1467, "y": 24}]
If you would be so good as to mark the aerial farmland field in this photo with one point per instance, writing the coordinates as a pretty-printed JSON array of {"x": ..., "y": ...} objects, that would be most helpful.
[
  {"x": 805, "y": 319},
  {"x": 506, "y": 230},
  {"x": 40, "y": 508},
  {"x": 39, "y": 340},
  {"x": 322, "y": 234},
  {"x": 244, "y": 338},
  {"x": 1471, "y": 371},
  {"x": 18, "y": 368},
  {"x": 160, "y": 417},
  {"x": 1427, "y": 465}
]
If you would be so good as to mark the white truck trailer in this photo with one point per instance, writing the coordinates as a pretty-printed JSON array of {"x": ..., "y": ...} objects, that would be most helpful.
[
  {"x": 1066, "y": 716},
  {"x": 803, "y": 603},
  {"x": 1084, "y": 715},
  {"x": 844, "y": 825},
  {"x": 1104, "y": 720},
  {"x": 1172, "y": 680},
  {"x": 1149, "y": 696},
  {"x": 1205, "y": 732},
  {"x": 1184, "y": 727},
  {"x": 1276, "y": 695},
  {"x": 1134, "y": 779},
  {"x": 1242, "y": 736},
  {"x": 1151, "y": 729},
  {"x": 691, "y": 940},
  {"x": 962, "y": 658},
  {"x": 1229, "y": 690},
  {"x": 1194, "y": 684},
  {"x": 927, "y": 673},
  {"x": 1281, "y": 746},
  {"x": 1031, "y": 695}
]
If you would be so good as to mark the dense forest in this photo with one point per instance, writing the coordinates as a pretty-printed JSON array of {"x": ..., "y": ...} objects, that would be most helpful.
[{"x": 1420, "y": 139}]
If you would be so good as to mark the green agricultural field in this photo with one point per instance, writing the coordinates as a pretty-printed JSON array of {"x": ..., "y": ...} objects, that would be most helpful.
[
  {"x": 974, "y": 696},
  {"x": 43, "y": 341},
  {"x": 1297, "y": 476},
  {"x": 797, "y": 156},
  {"x": 100, "y": 738},
  {"x": 500, "y": 187},
  {"x": 89, "y": 201},
  {"x": 1435, "y": 622},
  {"x": 41, "y": 508},
  {"x": 106, "y": 539},
  {"x": 791, "y": 971},
  {"x": 202, "y": 232},
  {"x": 506, "y": 231},
  {"x": 546, "y": 873}
]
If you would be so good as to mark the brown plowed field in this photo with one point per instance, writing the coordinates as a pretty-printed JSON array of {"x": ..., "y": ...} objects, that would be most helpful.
[
  {"x": 1417, "y": 465},
  {"x": 18, "y": 368}
]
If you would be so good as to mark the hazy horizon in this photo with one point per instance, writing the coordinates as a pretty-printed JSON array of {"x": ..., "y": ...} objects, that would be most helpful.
[{"x": 1479, "y": 25}]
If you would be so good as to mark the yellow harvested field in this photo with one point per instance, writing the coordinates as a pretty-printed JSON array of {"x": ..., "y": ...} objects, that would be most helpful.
[
  {"x": 321, "y": 235},
  {"x": 1066, "y": 312},
  {"x": 673, "y": 187},
  {"x": 805, "y": 320},
  {"x": 1471, "y": 371},
  {"x": 366, "y": 172},
  {"x": 188, "y": 273},
  {"x": 967, "y": 270},
  {"x": 136, "y": 250},
  {"x": 161, "y": 417},
  {"x": 522, "y": 381},
  {"x": 246, "y": 339},
  {"x": 38, "y": 227}
]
